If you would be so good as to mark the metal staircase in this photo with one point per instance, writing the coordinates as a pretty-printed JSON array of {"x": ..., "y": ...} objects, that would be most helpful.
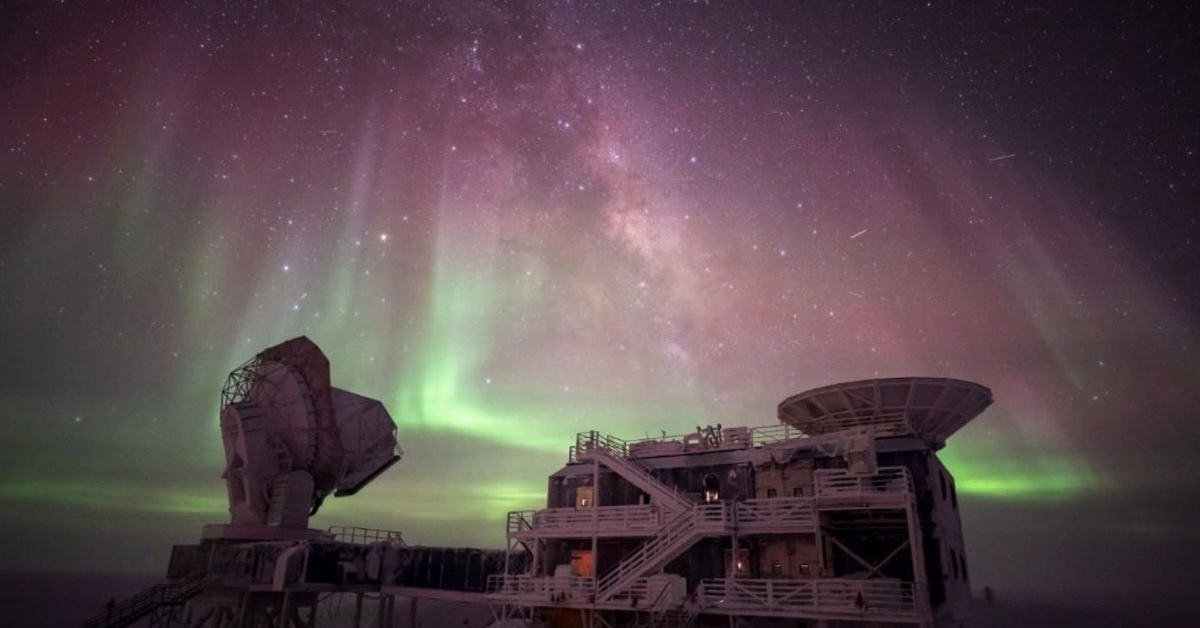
[
  {"x": 146, "y": 601},
  {"x": 613, "y": 453},
  {"x": 691, "y": 521},
  {"x": 678, "y": 535}
]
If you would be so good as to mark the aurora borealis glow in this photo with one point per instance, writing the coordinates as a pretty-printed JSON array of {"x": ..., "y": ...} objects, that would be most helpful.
[{"x": 515, "y": 221}]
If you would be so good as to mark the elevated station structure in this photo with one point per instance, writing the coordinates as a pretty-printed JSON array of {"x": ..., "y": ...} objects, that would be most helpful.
[{"x": 841, "y": 514}]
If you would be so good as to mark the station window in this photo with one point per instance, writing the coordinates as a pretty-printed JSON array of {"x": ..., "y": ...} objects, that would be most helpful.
[
  {"x": 772, "y": 493},
  {"x": 798, "y": 491},
  {"x": 737, "y": 562},
  {"x": 583, "y": 497},
  {"x": 712, "y": 488},
  {"x": 804, "y": 569},
  {"x": 777, "y": 569}
]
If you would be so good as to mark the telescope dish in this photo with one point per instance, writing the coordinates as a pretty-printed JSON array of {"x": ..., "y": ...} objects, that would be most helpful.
[
  {"x": 368, "y": 440},
  {"x": 931, "y": 408},
  {"x": 291, "y": 439}
]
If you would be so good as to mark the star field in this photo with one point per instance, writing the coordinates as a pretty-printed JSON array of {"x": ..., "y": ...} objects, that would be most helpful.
[{"x": 515, "y": 221}]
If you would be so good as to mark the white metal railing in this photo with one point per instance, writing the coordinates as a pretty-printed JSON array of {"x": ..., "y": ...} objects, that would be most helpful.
[
  {"x": 884, "y": 423},
  {"x": 758, "y": 436},
  {"x": 679, "y": 531},
  {"x": 893, "y": 423},
  {"x": 647, "y": 594},
  {"x": 678, "y": 535},
  {"x": 776, "y": 514},
  {"x": 365, "y": 536},
  {"x": 769, "y": 434},
  {"x": 541, "y": 588},
  {"x": 643, "y": 519},
  {"x": 144, "y": 602},
  {"x": 643, "y": 593},
  {"x": 686, "y": 443},
  {"x": 613, "y": 454},
  {"x": 709, "y": 439},
  {"x": 520, "y": 522},
  {"x": 588, "y": 441},
  {"x": 712, "y": 518},
  {"x": 887, "y": 484},
  {"x": 881, "y": 597}
]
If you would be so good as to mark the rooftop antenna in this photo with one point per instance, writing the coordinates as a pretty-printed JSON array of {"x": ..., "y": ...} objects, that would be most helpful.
[{"x": 291, "y": 440}]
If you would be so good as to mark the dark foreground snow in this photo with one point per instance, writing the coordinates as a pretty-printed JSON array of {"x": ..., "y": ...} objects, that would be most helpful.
[{"x": 37, "y": 600}]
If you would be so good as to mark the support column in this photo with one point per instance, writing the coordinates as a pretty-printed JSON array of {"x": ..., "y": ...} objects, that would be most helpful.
[
  {"x": 916, "y": 545},
  {"x": 737, "y": 548},
  {"x": 595, "y": 526},
  {"x": 819, "y": 541},
  {"x": 391, "y": 611},
  {"x": 285, "y": 611},
  {"x": 246, "y": 601}
]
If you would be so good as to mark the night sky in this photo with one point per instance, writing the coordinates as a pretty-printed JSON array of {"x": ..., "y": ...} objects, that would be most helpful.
[{"x": 514, "y": 221}]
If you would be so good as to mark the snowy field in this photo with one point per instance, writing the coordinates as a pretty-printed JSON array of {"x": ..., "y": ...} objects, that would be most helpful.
[{"x": 46, "y": 601}]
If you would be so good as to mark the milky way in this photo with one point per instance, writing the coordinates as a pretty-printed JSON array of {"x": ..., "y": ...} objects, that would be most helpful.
[{"x": 515, "y": 221}]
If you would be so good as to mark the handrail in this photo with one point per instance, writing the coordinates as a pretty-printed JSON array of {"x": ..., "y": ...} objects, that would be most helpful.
[
  {"x": 645, "y": 518},
  {"x": 681, "y": 526},
  {"x": 884, "y": 597},
  {"x": 773, "y": 513},
  {"x": 636, "y": 473},
  {"x": 365, "y": 536},
  {"x": 887, "y": 483},
  {"x": 680, "y": 533},
  {"x": 141, "y": 603},
  {"x": 769, "y": 434},
  {"x": 759, "y": 436},
  {"x": 892, "y": 423},
  {"x": 587, "y": 441},
  {"x": 520, "y": 521},
  {"x": 542, "y": 587}
]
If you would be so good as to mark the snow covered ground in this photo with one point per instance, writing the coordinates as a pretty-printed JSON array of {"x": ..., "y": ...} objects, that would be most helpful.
[{"x": 35, "y": 600}]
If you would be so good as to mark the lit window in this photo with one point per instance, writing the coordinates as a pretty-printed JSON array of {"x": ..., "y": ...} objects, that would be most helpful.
[{"x": 712, "y": 488}]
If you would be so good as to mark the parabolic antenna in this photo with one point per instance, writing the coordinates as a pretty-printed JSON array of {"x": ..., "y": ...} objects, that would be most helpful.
[
  {"x": 931, "y": 408},
  {"x": 291, "y": 439}
]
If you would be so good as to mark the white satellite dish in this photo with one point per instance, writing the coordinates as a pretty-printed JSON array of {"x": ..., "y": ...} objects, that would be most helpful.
[{"x": 930, "y": 408}]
